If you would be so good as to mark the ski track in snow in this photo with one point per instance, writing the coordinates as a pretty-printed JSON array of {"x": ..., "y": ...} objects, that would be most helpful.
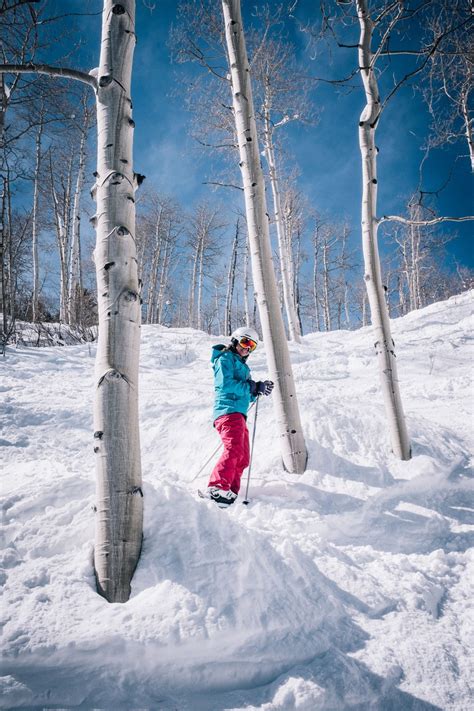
[{"x": 349, "y": 587}]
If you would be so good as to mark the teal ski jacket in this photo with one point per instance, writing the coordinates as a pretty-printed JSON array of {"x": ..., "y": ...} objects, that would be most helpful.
[{"x": 231, "y": 382}]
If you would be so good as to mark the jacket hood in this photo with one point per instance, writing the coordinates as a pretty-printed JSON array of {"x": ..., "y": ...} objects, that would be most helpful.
[
  {"x": 217, "y": 351},
  {"x": 220, "y": 348}
]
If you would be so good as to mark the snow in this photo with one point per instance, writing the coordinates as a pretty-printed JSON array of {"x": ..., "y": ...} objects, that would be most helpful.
[{"x": 349, "y": 587}]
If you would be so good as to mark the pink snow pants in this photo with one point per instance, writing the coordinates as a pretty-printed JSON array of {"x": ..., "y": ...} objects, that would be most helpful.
[{"x": 235, "y": 458}]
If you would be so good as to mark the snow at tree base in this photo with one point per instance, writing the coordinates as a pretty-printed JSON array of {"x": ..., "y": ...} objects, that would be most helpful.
[{"x": 349, "y": 587}]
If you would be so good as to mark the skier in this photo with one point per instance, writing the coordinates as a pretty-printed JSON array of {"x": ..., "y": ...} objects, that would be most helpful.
[{"x": 234, "y": 391}]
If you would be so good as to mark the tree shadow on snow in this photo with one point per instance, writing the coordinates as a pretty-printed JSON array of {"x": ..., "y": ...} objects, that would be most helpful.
[{"x": 327, "y": 462}]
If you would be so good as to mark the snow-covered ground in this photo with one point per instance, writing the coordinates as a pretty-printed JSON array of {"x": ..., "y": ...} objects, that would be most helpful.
[{"x": 349, "y": 587}]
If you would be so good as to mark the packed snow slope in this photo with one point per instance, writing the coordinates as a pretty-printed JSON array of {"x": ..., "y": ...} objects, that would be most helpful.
[{"x": 348, "y": 587}]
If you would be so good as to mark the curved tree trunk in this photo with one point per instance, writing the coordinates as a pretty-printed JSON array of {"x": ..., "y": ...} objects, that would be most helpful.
[
  {"x": 119, "y": 517},
  {"x": 287, "y": 414},
  {"x": 378, "y": 308}
]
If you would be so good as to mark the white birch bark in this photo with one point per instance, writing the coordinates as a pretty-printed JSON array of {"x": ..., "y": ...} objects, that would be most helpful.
[
  {"x": 65, "y": 253},
  {"x": 316, "y": 253},
  {"x": 74, "y": 285},
  {"x": 326, "y": 297},
  {"x": 293, "y": 447},
  {"x": 246, "y": 282},
  {"x": 230, "y": 283},
  {"x": 119, "y": 521},
  {"x": 62, "y": 240},
  {"x": 3, "y": 260},
  {"x": 165, "y": 265},
  {"x": 383, "y": 339},
  {"x": 119, "y": 517},
  {"x": 288, "y": 294},
  {"x": 192, "y": 291},
  {"x": 34, "y": 227},
  {"x": 200, "y": 281},
  {"x": 152, "y": 287},
  {"x": 468, "y": 121}
]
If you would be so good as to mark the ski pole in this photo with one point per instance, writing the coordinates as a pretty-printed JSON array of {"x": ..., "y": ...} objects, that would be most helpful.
[{"x": 246, "y": 500}]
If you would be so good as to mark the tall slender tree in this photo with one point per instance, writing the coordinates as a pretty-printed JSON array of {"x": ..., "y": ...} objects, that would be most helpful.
[
  {"x": 119, "y": 496},
  {"x": 294, "y": 453}
]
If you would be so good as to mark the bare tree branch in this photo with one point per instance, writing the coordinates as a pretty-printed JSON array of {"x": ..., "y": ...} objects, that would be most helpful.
[
  {"x": 222, "y": 185},
  {"x": 63, "y": 72},
  {"x": 423, "y": 223}
]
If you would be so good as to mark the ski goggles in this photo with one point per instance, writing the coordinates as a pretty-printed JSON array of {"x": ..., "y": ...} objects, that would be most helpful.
[{"x": 247, "y": 343}]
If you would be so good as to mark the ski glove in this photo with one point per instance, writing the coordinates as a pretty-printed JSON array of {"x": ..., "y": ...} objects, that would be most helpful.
[{"x": 261, "y": 387}]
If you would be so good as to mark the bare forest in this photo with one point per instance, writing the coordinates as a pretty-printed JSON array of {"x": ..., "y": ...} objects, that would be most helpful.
[{"x": 193, "y": 259}]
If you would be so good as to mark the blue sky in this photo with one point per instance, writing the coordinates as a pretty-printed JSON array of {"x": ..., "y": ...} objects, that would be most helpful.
[{"x": 327, "y": 154}]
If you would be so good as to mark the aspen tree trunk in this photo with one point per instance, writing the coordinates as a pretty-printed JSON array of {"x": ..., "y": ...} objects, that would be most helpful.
[
  {"x": 200, "y": 281},
  {"x": 293, "y": 447},
  {"x": 316, "y": 244},
  {"x": 384, "y": 344},
  {"x": 34, "y": 226},
  {"x": 468, "y": 124},
  {"x": 296, "y": 281},
  {"x": 246, "y": 282},
  {"x": 364, "y": 310},
  {"x": 119, "y": 518},
  {"x": 230, "y": 283},
  {"x": 67, "y": 229},
  {"x": 151, "y": 311},
  {"x": 74, "y": 285},
  {"x": 11, "y": 266},
  {"x": 3, "y": 258},
  {"x": 326, "y": 298},
  {"x": 283, "y": 250},
  {"x": 163, "y": 280},
  {"x": 192, "y": 292},
  {"x": 60, "y": 218}
]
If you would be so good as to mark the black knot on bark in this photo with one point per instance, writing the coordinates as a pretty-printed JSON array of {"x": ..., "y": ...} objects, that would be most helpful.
[
  {"x": 131, "y": 122},
  {"x": 105, "y": 80},
  {"x": 98, "y": 435},
  {"x": 108, "y": 265},
  {"x": 122, "y": 231},
  {"x": 139, "y": 178},
  {"x": 374, "y": 180},
  {"x": 130, "y": 296},
  {"x": 136, "y": 490},
  {"x": 361, "y": 123},
  {"x": 249, "y": 138},
  {"x": 95, "y": 174},
  {"x": 118, "y": 10}
]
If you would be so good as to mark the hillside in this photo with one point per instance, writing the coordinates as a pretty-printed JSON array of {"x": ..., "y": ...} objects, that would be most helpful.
[{"x": 349, "y": 587}]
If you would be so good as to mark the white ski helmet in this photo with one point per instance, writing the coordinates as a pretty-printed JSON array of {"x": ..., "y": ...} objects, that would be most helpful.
[{"x": 245, "y": 332}]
